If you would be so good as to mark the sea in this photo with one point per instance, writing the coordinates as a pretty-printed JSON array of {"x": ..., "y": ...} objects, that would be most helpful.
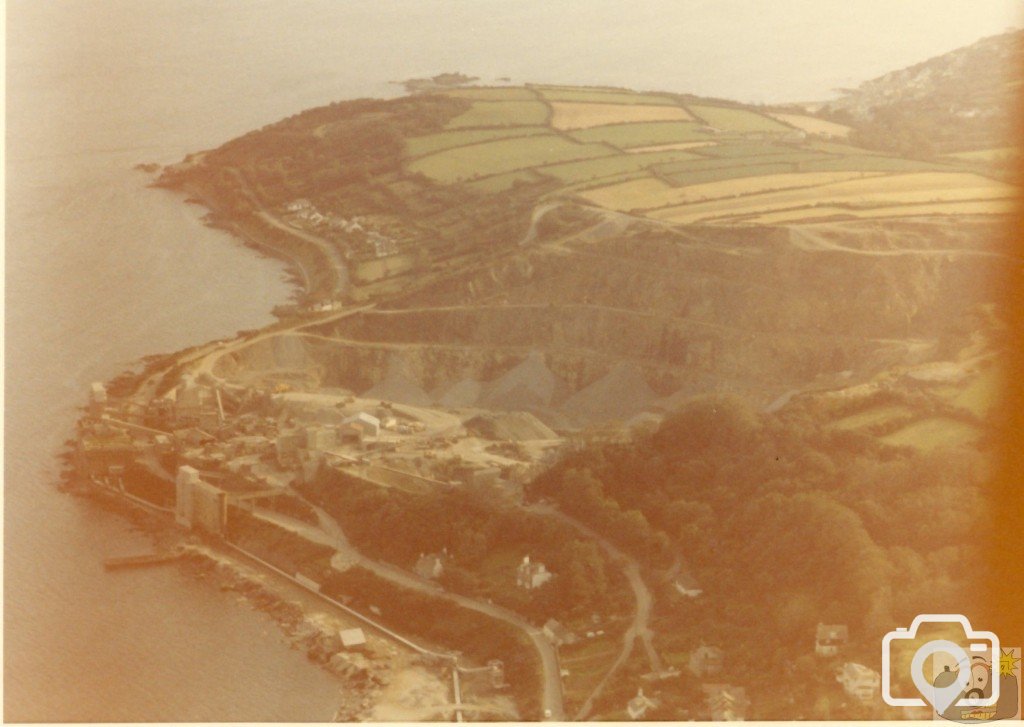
[{"x": 101, "y": 270}]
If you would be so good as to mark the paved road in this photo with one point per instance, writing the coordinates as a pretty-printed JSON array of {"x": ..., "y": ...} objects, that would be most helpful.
[
  {"x": 330, "y": 533},
  {"x": 640, "y": 628}
]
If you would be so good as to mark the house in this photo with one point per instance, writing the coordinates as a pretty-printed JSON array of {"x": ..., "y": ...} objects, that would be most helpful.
[
  {"x": 353, "y": 639},
  {"x": 685, "y": 585},
  {"x": 429, "y": 566},
  {"x": 298, "y": 205},
  {"x": 638, "y": 706},
  {"x": 830, "y": 639},
  {"x": 532, "y": 575},
  {"x": 859, "y": 681},
  {"x": 725, "y": 703},
  {"x": 363, "y": 424},
  {"x": 706, "y": 661},
  {"x": 557, "y": 633}
]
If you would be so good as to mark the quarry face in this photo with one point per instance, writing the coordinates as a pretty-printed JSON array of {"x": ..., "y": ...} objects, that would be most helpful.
[{"x": 611, "y": 325}]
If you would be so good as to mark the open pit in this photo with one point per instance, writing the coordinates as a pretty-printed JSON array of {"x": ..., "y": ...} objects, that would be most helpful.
[{"x": 603, "y": 328}]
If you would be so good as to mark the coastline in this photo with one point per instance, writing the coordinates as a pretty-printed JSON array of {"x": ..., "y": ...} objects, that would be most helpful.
[{"x": 304, "y": 623}]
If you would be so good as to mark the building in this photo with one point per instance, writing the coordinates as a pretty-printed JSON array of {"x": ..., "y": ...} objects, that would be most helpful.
[
  {"x": 706, "y": 661},
  {"x": 298, "y": 205},
  {"x": 353, "y": 639},
  {"x": 859, "y": 682},
  {"x": 725, "y": 703},
  {"x": 429, "y": 566},
  {"x": 639, "y": 705},
  {"x": 830, "y": 638},
  {"x": 365, "y": 425},
  {"x": 198, "y": 505},
  {"x": 557, "y": 634},
  {"x": 532, "y": 575}
]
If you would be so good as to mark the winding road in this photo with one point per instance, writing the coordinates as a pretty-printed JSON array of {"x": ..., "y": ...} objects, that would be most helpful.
[
  {"x": 329, "y": 532},
  {"x": 639, "y": 629}
]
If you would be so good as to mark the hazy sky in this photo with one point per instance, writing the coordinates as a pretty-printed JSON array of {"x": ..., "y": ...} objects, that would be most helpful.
[{"x": 230, "y": 65}]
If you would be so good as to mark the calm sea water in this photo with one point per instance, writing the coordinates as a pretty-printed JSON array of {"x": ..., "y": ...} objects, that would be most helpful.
[{"x": 101, "y": 270}]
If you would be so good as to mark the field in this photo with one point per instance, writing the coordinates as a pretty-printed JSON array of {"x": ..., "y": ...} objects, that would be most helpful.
[
  {"x": 928, "y": 434},
  {"x": 501, "y": 113},
  {"x": 986, "y": 207},
  {"x": 667, "y": 147},
  {"x": 501, "y": 182},
  {"x": 597, "y": 95},
  {"x": 418, "y": 146},
  {"x": 981, "y": 394},
  {"x": 813, "y": 125},
  {"x": 654, "y": 154},
  {"x": 513, "y": 93},
  {"x": 626, "y": 136},
  {"x": 1006, "y": 153},
  {"x": 873, "y": 417},
  {"x": 582, "y": 171},
  {"x": 892, "y": 190},
  {"x": 571, "y": 115},
  {"x": 653, "y": 193},
  {"x": 732, "y": 119},
  {"x": 479, "y": 160}
]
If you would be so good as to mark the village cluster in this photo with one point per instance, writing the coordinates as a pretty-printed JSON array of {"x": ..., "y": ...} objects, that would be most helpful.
[{"x": 361, "y": 237}]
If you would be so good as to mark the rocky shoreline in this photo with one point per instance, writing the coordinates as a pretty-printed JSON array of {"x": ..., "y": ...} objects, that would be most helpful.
[{"x": 362, "y": 678}]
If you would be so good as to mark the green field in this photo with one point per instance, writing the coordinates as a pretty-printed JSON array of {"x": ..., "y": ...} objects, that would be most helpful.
[
  {"x": 591, "y": 169},
  {"x": 606, "y": 181},
  {"x": 750, "y": 149},
  {"x": 593, "y": 95},
  {"x": 934, "y": 432},
  {"x": 421, "y": 145},
  {"x": 835, "y": 147},
  {"x": 514, "y": 93},
  {"x": 988, "y": 155},
  {"x": 501, "y": 113},
  {"x": 481, "y": 160},
  {"x": 740, "y": 120},
  {"x": 715, "y": 170},
  {"x": 651, "y": 133},
  {"x": 719, "y": 175},
  {"x": 871, "y": 164},
  {"x": 502, "y": 182}
]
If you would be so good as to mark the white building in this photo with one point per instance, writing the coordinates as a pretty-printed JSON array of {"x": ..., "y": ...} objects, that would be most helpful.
[
  {"x": 366, "y": 425},
  {"x": 860, "y": 682},
  {"x": 532, "y": 575},
  {"x": 352, "y": 638}
]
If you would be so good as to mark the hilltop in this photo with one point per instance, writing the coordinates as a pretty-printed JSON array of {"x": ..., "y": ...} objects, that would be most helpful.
[{"x": 963, "y": 101}]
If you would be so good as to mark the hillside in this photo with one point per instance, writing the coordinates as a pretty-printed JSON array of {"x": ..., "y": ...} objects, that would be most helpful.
[
  {"x": 963, "y": 101},
  {"x": 811, "y": 321}
]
